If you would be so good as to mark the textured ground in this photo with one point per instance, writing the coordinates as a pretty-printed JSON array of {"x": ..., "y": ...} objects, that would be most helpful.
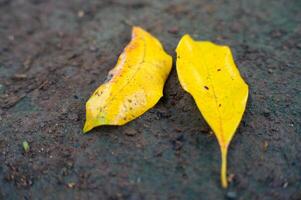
[{"x": 53, "y": 54}]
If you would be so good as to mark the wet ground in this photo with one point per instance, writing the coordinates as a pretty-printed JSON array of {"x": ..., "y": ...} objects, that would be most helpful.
[{"x": 53, "y": 54}]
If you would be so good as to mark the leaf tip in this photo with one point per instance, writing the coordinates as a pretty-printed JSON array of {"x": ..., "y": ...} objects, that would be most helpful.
[
  {"x": 186, "y": 36},
  {"x": 136, "y": 30},
  {"x": 87, "y": 127},
  {"x": 185, "y": 40},
  {"x": 94, "y": 119},
  {"x": 90, "y": 118}
]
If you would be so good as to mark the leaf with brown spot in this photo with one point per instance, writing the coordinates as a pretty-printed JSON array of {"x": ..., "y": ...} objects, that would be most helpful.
[
  {"x": 135, "y": 84},
  {"x": 207, "y": 71}
]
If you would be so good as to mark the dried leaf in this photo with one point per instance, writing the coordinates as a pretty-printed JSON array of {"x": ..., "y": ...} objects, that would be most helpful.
[
  {"x": 207, "y": 71},
  {"x": 135, "y": 84}
]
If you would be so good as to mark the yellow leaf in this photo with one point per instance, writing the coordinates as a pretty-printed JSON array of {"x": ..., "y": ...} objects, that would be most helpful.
[
  {"x": 135, "y": 84},
  {"x": 207, "y": 71}
]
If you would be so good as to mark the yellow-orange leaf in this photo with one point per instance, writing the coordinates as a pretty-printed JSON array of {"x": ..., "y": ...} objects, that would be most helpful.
[
  {"x": 207, "y": 71},
  {"x": 135, "y": 85}
]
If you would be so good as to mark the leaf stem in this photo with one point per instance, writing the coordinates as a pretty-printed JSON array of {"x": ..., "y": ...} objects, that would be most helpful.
[{"x": 224, "y": 152}]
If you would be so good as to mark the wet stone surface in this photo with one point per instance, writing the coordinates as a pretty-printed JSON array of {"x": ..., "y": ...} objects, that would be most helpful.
[{"x": 53, "y": 54}]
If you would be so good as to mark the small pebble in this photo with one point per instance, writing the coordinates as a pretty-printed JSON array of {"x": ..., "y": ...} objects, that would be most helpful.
[
  {"x": 71, "y": 185},
  {"x": 285, "y": 185},
  {"x": 266, "y": 113},
  {"x": 231, "y": 178},
  {"x": 11, "y": 37},
  {"x": 265, "y": 145},
  {"x": 231, "y": 195},
  {"x": 173, "y": 30},
  {"x": 80, "y": 14},
  {"x": 73, "y": 116},
  {"x": 1, "y": 89},
  {"x": 19, "y": 77},
  {"x": 93, "y": 48},
  {"x": 130, "y": 132}
]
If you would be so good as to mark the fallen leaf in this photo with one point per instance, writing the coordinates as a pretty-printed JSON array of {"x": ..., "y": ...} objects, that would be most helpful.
[
  {"x": 26, "y": 147},
  {"x": 134, "y": 85},
  {"x": 207, "y": 71}
]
